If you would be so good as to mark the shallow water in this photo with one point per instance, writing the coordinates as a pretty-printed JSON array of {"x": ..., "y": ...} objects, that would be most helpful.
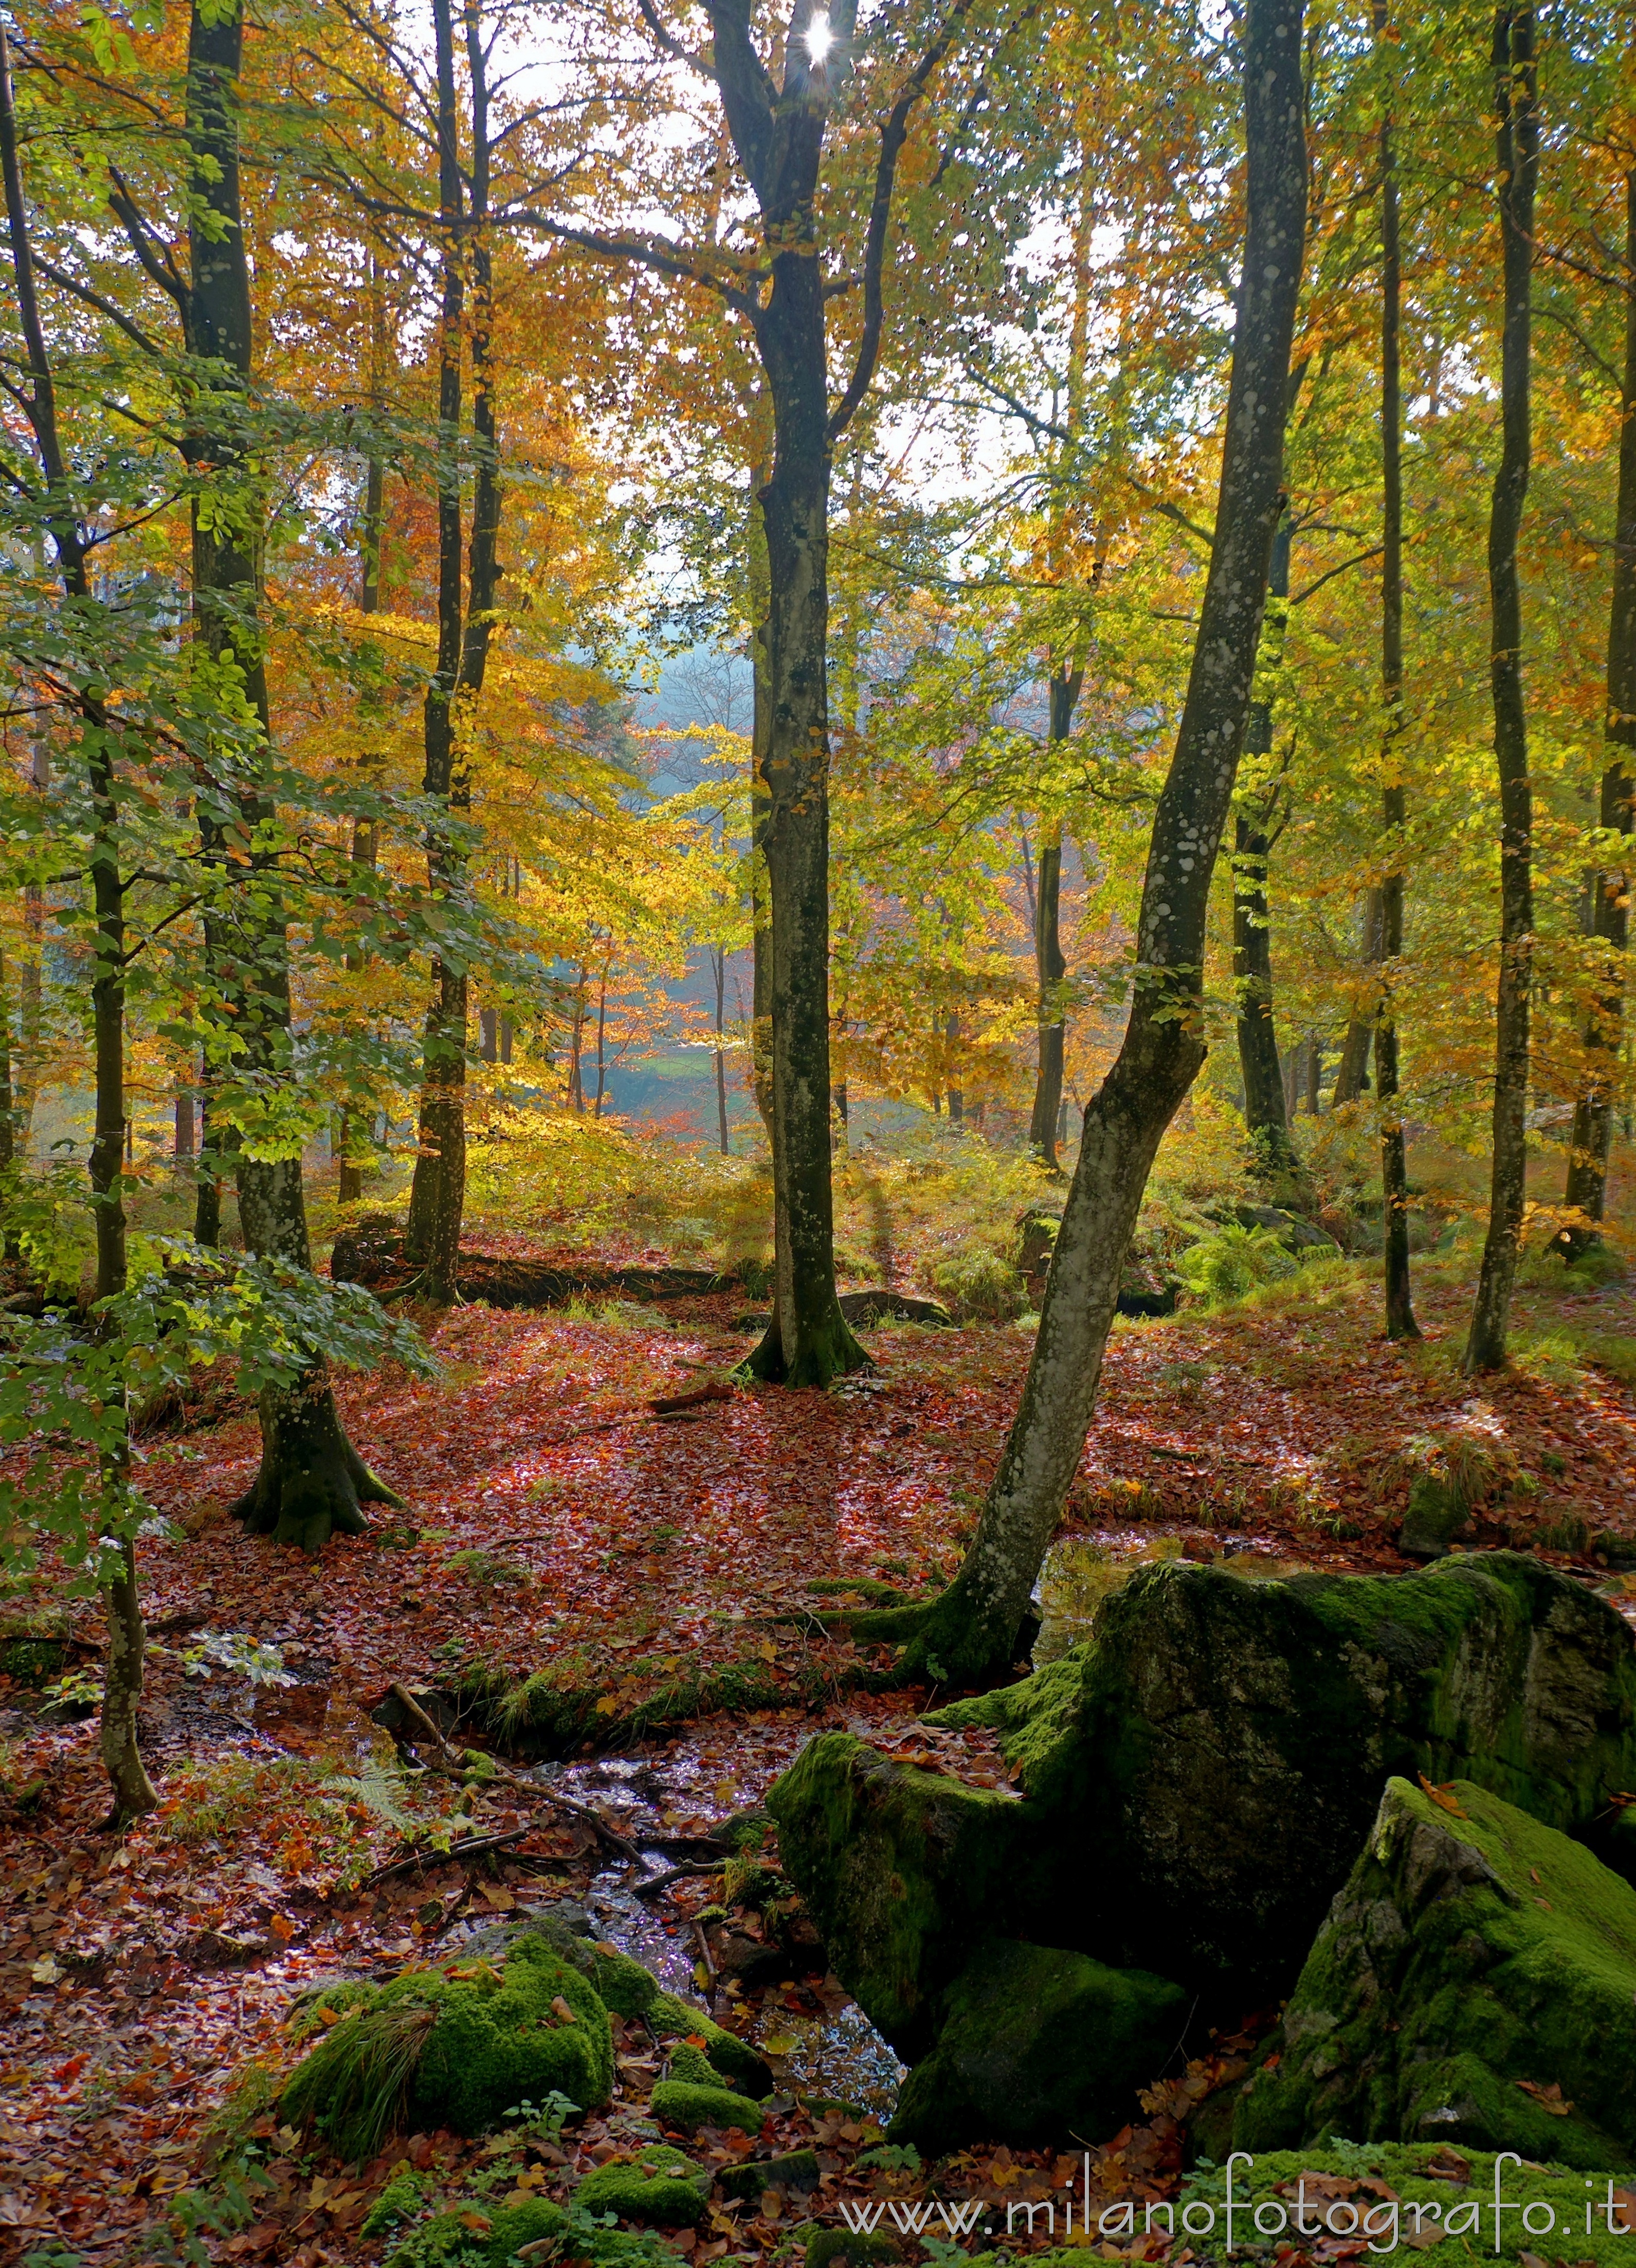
[{"x": 839, "y": 2054}]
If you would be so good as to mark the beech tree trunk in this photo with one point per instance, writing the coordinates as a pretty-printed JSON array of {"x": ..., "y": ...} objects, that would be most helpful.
[
  {"x": 1266, "y": 1119},
  {"x": 1352, "y": 1073},
  {"x": 1517, "y": 155},
  {"x": 1586, "y": 1193},
  {"x": 1050, "y": 964},
  {"x": 971, "y": 1632},
  {"x": 122, "y": 1687},
  {"x": 1400, "y": 1323},
  {"x": 311, "y": 1480}
]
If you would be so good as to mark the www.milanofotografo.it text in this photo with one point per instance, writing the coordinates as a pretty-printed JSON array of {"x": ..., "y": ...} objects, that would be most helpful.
[{"x": 1241, "y": 2217}]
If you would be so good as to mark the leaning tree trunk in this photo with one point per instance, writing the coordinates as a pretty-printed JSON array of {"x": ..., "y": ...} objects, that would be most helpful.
[
  {"x": 971, "y": 1632},
  {"x": 121, "y": 1686},
  {"x": 1400, "y": 1323},
  {"x": 1518, "y": 168},
  {"x": 1266, "y": 1119},
  {"x": 1050, "y": 962},
  {"x": 311, "y": 1480},
  {"x": 1586, "y": 1194}
]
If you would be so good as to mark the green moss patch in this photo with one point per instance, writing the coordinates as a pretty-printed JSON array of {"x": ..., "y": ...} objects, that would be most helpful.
[
  {"x": 659, "y": 2187},
  {"x": 474, "y": 2237},
  {"x": 1037, "y": 2046},
  {"x": 403, "y": 2197},
  {"x": 680, "y": 2102},
  {"x": 1474, "y": 1984},
  {"x": 455, "y": 2046},
  {"x": 796, "y": 2170},
  {"x": 733, "y": 2057}
]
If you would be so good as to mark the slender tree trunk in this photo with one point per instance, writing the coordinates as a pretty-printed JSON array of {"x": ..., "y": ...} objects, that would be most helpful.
[
  {"x": 350, "y": 1189},
  {"x": 1352, "y": 1074},
  {"x": 8, "y": 1104},
  {"x": 1586, "y": 1194},
  {"x": 760, "y": 730},
  {"x": 972, "y": 1630},
  {"x": 1400, "y": 1323},
  {"x": 1265, "y": 1120},
  {"x": 602, "y": 1035},
  {"x": 808, "y": 1341},
  {"x": 718, "y": 968},
  {"x": 121, "y": 1689},
  {"x": 1518, "y": 168},
  {"x": 1050, "y": 965}
]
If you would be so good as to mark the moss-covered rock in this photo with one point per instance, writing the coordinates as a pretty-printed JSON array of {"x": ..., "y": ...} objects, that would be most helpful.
[
  {"x": 481, "y": 2236},
  {"x": 826, "y": 2247},
  {"x": 796, "y": 2170},
  {"x": 1199, "y": 1776},
  {"x": 455, "y": 2046},
  {"x": 903, "y": 1872},
  {"x": 733, "y": 2057},
  {"x": 682, "y": 2103},
  {"x": 1473, "y": 1983},
  {"x": 1406, "y": 2193},
  {"x": 1035, "y": 2047},
  {"x": 400, "y": 2201},
  {"x": 659, "y": 2186}
]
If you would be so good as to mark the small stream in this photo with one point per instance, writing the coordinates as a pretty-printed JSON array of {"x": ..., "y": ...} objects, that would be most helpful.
[{"x": 838, "y": 2054}]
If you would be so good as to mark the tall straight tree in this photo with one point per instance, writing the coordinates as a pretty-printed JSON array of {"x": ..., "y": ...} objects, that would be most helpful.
[
  {"x": 1400, "y": 1323},
  {"x": 778, "y": 128},
  {"x": 1516, "y": 101},
  {"x": 1050, "y": 965},
  {"x": 1265, "y": 1117},
  {"x": 311, "y": 1480},
  {"x": 971, "y": 1632},
  {"x": 1610, "y": 919},
  {"x": 58, "y": 507}
]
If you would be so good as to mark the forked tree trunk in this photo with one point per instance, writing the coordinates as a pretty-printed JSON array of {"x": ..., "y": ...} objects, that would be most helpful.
[
  {"x": 1586, "y": 1194},
  {"x": 1518, "y": 170},
  {"x": 1050, "y": 963},
  {"x": 122, "y": 1687},
  {"x": 1266, "y": 1119},
  {"x": 971, "y": 1632},
  {"x": 1400, "y": 1323}
]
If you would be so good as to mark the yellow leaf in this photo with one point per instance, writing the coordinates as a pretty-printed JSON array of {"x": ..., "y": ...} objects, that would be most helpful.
[{"x": 768, "y": 1651}]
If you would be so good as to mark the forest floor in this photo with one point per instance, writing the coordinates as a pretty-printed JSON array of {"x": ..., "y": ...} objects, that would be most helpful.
[{"x": 556, "y": 1522}]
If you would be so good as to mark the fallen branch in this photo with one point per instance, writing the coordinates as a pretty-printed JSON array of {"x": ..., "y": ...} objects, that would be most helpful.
[
  {"x": 651, "y": 1888},
  {"x": 418, "y": 1861}
]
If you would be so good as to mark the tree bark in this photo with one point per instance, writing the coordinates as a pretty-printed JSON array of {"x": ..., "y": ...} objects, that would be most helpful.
[
  {"x": 1352, "y": 1074},
  {"x": 1050, "y": 963},
  {"x": 305, "y": 1486},
  {"x": 1586, "y": 1194},
  {"x": 121, "y": 1689},
  {"x": 971, "y": 1632},
  {"x": 718, "y": 969},
  {"x": 1265, "y": 1120},
  {"x": 1518, "y": 167},
  {"x": 1400, "y": 1323}
]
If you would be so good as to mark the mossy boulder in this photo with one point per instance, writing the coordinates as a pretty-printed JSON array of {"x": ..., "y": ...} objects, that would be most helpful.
[
  {"x": 795, "y": 2170},
  {"x": 685, "y": 2103},
  {"x": 1200, "y": 1775},
  {"x": 827, "y": 2247},
  {"x": 454, "y": 2046},
  {"x": 1473, "y": 1983},
  {"x": 1406, "y": 2193},
  {"x": 1037, "y": 2046},
  {"x": 659, "y": 2186},
  {"x": 733, "y": 2057},
  {"x": 403, "y": 2197},
  {"x": 491, "y": 2235},
  {"x": 902, "y": 1871}
]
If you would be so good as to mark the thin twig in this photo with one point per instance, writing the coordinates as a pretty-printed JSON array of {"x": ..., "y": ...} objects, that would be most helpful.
[
  {"x": 418, "y": 1861},
  {"x": 651, "y": 1888}
]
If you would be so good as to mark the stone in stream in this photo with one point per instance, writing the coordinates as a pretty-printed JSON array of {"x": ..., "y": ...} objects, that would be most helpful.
[
  {"x": 1199, "y": 1776},
  {"x": 1473, "y": 1983}
]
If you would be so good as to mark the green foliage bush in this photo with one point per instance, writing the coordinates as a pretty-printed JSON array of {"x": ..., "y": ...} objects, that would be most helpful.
[
  {"x": 1234, "y": 1261},
  {"x": 978, "y": 1286}
]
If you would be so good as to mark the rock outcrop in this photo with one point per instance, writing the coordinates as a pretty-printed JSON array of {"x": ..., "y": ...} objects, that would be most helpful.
[{"x": 1473, "y": 1983}]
